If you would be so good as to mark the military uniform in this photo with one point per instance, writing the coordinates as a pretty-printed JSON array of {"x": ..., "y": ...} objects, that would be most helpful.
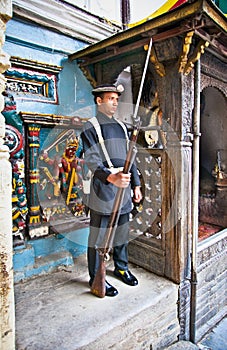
[{"x": 102, "y": 193}]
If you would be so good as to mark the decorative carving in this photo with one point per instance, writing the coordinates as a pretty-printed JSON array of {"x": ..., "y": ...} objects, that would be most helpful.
[
  {"x": 159, "y": 67},
  {"x": 208, "y": 81},
  {"x": 88, "y": 75},
  {"x": 148, "y": 216},
  {"x": 33, "y": 144},
  {"x": 33, "y": 80},
  {"x": 31, "y": 85},
  {"x": 34, "y": 65},
  {"x": 185, "y": 51},
  {"x": 14, "y": 141},
  {"x": 218, "y": 71},
  {"x": 60, "y": 172},
  {"x": 214, "y": 250},
  {"x": 54, "y": 173},
  {"x": 200, "y": 49},
  {"x": 183, "y": 309},
  {"x": 152, "y": 116},
  {"x": 187, "y": 106}
]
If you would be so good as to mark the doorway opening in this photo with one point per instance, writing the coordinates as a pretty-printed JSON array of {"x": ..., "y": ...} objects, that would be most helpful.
[{"x": 213, "y": 163}]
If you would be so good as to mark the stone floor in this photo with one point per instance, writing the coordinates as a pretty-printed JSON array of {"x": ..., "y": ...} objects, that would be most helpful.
[{"x": 57, "y": 312}]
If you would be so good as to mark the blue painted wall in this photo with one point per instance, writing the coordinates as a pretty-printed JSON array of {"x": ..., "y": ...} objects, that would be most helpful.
[{"x": 33, "y": 42}]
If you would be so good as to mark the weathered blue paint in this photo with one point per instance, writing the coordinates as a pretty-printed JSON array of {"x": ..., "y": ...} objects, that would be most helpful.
[
  {"x": 24, "y": 257},
  {"x": 43, "y": 265},
  {"x": 36, "y": 37},
  {"x": 72, "y": 241},
  {"x": 39, "y": 44},
  {"x": 43, "y": 255}
]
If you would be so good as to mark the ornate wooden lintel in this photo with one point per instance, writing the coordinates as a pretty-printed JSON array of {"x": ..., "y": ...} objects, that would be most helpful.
[
  {"x": 50, "y": 119},
  {"x": 32, "y": 64},
  {"x": 159, "y": 67}
]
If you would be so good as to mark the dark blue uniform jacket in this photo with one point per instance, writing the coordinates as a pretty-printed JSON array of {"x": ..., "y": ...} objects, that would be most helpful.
[{"x": 102, "y": 192}]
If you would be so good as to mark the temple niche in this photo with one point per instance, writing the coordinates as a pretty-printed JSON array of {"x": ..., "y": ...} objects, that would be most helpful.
[
  {"x": 54, "y": 173},
  {"x": 47, "y": 188}
]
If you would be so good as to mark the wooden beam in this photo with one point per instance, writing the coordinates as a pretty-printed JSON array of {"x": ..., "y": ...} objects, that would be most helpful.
[{"x": 116, "y": 50}]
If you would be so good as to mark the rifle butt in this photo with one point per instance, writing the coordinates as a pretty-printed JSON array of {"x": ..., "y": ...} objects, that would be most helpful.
[{"x": 98, "y": 286}]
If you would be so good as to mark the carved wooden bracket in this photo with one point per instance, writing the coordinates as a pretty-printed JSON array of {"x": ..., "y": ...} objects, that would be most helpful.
[
  {"x": 200, "y": 49},
  {"x": 185, "y": 51},
  {"x": 159, "y": 67},
  {"x": 88, "y": 75},
  {"x": 187, "y": 63}
]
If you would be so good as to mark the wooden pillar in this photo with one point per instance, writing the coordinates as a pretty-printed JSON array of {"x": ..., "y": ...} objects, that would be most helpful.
[
  {"x": 7, "y": 314},
  {"x": 33, "y": 144}
]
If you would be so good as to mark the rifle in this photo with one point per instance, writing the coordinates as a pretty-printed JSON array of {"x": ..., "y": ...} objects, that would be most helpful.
[{"x": 98, "y": 286}]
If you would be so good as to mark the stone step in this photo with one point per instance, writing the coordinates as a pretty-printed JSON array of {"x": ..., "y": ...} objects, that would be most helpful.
[{"x": 57, "y": 311}]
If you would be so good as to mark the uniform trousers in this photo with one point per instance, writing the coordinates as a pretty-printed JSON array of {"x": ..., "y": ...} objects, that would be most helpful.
[{"x": 98, "y": 227}]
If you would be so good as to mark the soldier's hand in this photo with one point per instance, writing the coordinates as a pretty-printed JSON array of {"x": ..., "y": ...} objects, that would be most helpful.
[
  {"x": 120, "y": 179},
  {"x": 137, "y": 194}
]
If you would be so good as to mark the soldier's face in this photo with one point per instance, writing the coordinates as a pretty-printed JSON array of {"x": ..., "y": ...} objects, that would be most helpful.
[{"x": 108, "y": 103}]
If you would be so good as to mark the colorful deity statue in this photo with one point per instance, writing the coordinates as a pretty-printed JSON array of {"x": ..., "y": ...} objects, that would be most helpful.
[
  {"x": 61, "y": 176},
  {"x": 69, "y": 166}
]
